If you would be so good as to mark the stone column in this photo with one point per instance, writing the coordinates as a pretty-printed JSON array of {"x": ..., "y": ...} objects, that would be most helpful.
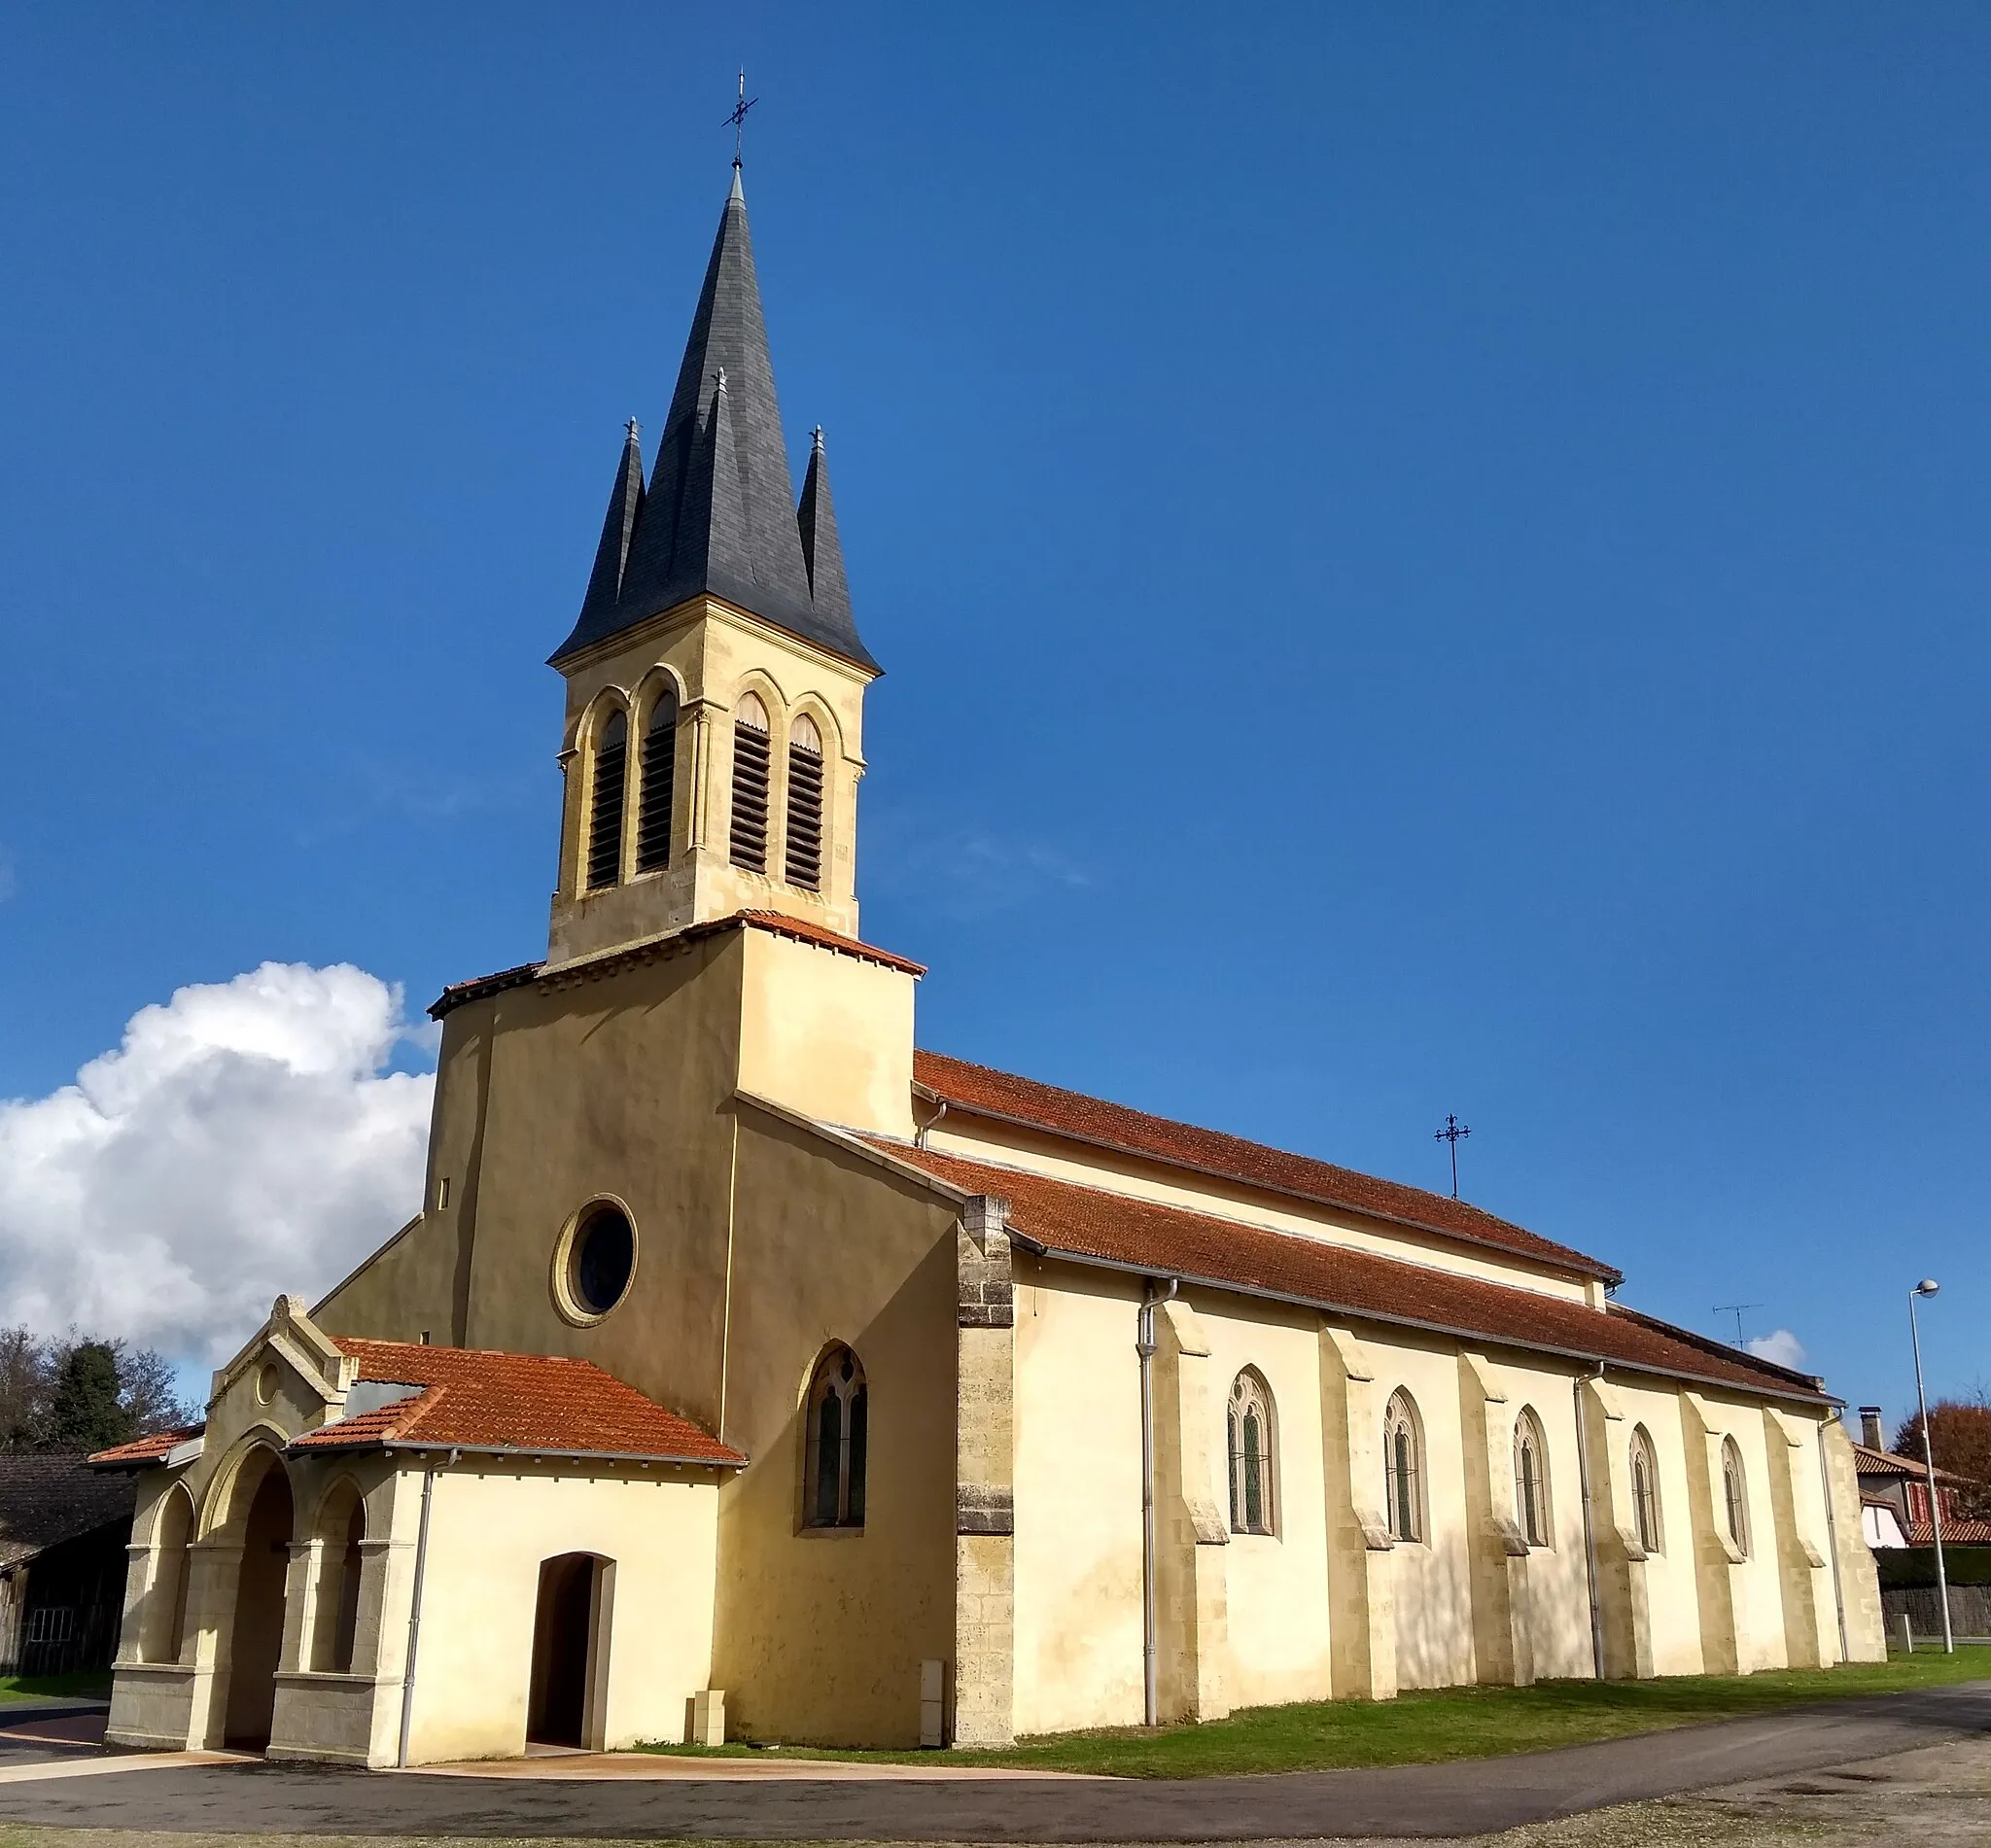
[
  {"x": 1859, "y": 1576},
  {"x": 214, "y": 1573},
  {"x": 1192, "y": 1611},
  {"x": 985, "y": 1517},
  {"x": 1360, "y": 1583},
  {"x": 1722, "y": 1593},
  {"x": 1810, "y": 1623},
  {"x": 1622, "y": 1596},
  {"x": 1503, "y": 1599}
]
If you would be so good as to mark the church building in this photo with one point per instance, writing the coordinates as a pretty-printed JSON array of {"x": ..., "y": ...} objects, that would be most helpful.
[{"x": 749, "y": 1373}]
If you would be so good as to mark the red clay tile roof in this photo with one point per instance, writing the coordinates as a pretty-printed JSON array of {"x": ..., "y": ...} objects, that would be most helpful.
[
  {"x": 776, "y": 924},
  {"x": 147, "y": 1449},
  {"x": 1092, "y": 1225},
  {"x": 1955, "y": 1533},
  {"x": 976, "y": 1090},
  {"x": 1871, "y": 1462},
  {"x": 473, "y": 1399}
]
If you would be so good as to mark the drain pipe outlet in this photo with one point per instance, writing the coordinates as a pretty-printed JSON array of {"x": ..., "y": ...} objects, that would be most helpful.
[{"x": 1144, "y": 1346}]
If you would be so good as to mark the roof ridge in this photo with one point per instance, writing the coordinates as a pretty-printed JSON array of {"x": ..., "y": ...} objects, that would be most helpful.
[{"x": 1539, "y": 1248}]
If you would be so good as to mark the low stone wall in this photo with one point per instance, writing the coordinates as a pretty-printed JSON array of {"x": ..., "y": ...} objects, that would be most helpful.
[{"x": 1969, "y": 1611}]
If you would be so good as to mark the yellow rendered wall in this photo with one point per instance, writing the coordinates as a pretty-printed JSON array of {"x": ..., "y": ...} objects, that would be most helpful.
[
  {"x": 489, "y": 1533},
  {"x": 1078, "y": 1551},
  {"x": 821, "y": 1633},
  {"x": 1277, "y": 1584},
  {"x": 1672, "y": 1601}
]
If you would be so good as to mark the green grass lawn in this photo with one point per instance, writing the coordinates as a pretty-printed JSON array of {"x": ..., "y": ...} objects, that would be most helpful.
[
  {"x": 93, "y": 1685},
  {"x": 1421, "y": 1729}
]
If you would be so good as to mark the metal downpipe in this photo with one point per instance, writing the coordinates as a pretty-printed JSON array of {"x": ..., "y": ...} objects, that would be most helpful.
[
  {"x": 1590, "y": 1525},
  {"x": 1144, "y": 1346},
  {"x": 408, "y": 1678},
  {"x": 1831, "y": 1537}
]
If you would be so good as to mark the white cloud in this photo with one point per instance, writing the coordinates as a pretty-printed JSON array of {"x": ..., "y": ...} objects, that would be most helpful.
[
  {"x": 1780, "y": 1347},
  {"x": 246, "y": 1138}
]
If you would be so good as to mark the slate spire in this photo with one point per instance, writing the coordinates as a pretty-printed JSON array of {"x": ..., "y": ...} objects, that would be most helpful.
[
  {"x": 618, "y": 529},
  {"x": 719, "y": 515},
  {"x": 821, "y": 550}
]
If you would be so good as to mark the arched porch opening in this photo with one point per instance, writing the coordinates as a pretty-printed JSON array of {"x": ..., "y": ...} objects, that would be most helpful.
[
  {"x": 256, "y": 1638},
  {"x": 569, "y": 1619}
]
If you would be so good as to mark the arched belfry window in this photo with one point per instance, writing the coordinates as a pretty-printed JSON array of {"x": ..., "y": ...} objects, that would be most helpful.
[
  {"x": 659, "y": 770},
  {"x": 604, "y": 805},
  {"x": 1531, "y": 1479},
  {"x": 1735, "y": 1494},
  {"x": 804, "y": 836},
  {"x": 1402, "y": 1468},
  {"x": 1645, "y": 1491},
  {"x": 750, "y": 786},
  {"x": 1253, "y": 1454},
  {"x": 833, "y": 1466}
]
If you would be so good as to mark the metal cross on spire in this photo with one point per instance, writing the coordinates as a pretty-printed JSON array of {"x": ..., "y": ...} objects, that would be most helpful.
[
  {"x": 739, "y": 115},
  {"x": 1454, "y": 1132}
]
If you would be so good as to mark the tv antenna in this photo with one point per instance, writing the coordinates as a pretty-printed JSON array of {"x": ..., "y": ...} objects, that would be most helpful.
[
  {"x": 1735, "y": 1309},
  {"x": 1454, "y": 1132}
]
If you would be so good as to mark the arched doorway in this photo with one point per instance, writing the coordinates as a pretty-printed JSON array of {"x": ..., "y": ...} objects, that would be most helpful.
[
  {"x": 257, "y": 1639},
  {"x": 564, "y": 1629}
]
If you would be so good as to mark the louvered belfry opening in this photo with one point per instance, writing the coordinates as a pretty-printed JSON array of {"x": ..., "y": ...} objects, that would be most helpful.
[
  {"x": 750, "y": 786},
  {"x": 605, "y": 824},
  {"x": 660, "y": 772},
  {"x": 804, "y": 839}
]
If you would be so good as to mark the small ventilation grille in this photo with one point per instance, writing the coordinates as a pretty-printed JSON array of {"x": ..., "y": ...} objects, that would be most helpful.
[
  {"x": 750, "y": 798},
  {"x": 605, "y": 831},
  {"x": 660, "y": 767},
  {"x": 805, "y": 818}
]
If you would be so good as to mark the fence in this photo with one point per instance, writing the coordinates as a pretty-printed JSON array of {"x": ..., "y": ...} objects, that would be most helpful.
[{"x": 1969, "y": 1611}]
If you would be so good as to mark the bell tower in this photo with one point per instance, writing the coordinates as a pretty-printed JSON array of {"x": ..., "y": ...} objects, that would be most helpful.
[{"x": 714, "y": 677}]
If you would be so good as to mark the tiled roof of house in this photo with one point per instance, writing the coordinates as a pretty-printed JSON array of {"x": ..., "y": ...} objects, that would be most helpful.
[
  {"x": 147, "y": 1450},
  {"x": 1871, "y": 1462},
  {"x": 47, "y": 1498},
  {"x": 1090, "y": 1223},
  {"x": 774, "y": 923},
  {"x": 979, "y": 1091},
  {"x": 1955, "y": 1533},
  {"x": 474, "y": 1399}
]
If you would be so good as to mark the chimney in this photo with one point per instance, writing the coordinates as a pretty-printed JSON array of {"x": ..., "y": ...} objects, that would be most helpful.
[{"x": 1869, "y": 1428}]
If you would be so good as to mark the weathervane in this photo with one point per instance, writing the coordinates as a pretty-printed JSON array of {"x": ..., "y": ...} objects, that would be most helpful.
[
  {"x": 739, "y": 115},
  {"x": 1454, "y": 1132}
]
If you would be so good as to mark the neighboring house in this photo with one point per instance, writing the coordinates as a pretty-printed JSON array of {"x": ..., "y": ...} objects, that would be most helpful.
[
  {"x": 747, "y": 1369},
  {"x": 1893, "y": 1495},
  {"x": 63, "y": 1532}
]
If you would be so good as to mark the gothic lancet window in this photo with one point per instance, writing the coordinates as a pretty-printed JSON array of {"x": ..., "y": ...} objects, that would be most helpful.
[
  {"x": 1734, "y": 1495},
  {"x": 659, "y": 769},
  {"x": 1645, "y": 1491},
  {"x": 804, "y": 835},
  {"x": 1249, "y": 1422},
  {"x": 1530, "y": 1479},
  {"x": 604, "y": 805},
  {"x": 1402, "y": 1447},
  {"x": 833, "y": 1464},
  {"x": 748, "y": 840}
]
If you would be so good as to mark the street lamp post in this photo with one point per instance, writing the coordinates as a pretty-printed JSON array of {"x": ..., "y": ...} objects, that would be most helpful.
[{"x": 1928, "y": 1287}]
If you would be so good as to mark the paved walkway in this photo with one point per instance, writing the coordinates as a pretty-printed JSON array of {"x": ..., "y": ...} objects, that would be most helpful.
[{"x": 1466, "y": 1797}]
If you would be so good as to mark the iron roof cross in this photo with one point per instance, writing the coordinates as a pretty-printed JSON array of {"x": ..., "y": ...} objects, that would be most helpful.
[
  {"x": 1454, "y": 1132},
  {"x": 739, "y": 115}
]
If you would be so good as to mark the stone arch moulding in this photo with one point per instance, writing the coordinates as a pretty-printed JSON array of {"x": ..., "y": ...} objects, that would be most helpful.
[{"x": 220, "y": 1511}]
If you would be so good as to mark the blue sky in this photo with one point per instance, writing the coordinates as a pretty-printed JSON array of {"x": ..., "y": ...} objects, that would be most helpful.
[{"x": 1427, "y": 558}]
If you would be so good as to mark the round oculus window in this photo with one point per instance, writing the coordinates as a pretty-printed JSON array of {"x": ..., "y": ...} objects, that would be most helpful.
[{"x": 601, "y": 1260}]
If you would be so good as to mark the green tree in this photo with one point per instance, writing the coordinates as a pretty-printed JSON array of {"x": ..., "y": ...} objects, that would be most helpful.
[
  {"x": 86, "y": 1409},
  {"x": 1960, "y": 1440}
]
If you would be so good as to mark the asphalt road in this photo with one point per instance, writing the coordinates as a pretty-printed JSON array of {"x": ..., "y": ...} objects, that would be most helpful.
[{"x": 1466, "y": 1797}]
